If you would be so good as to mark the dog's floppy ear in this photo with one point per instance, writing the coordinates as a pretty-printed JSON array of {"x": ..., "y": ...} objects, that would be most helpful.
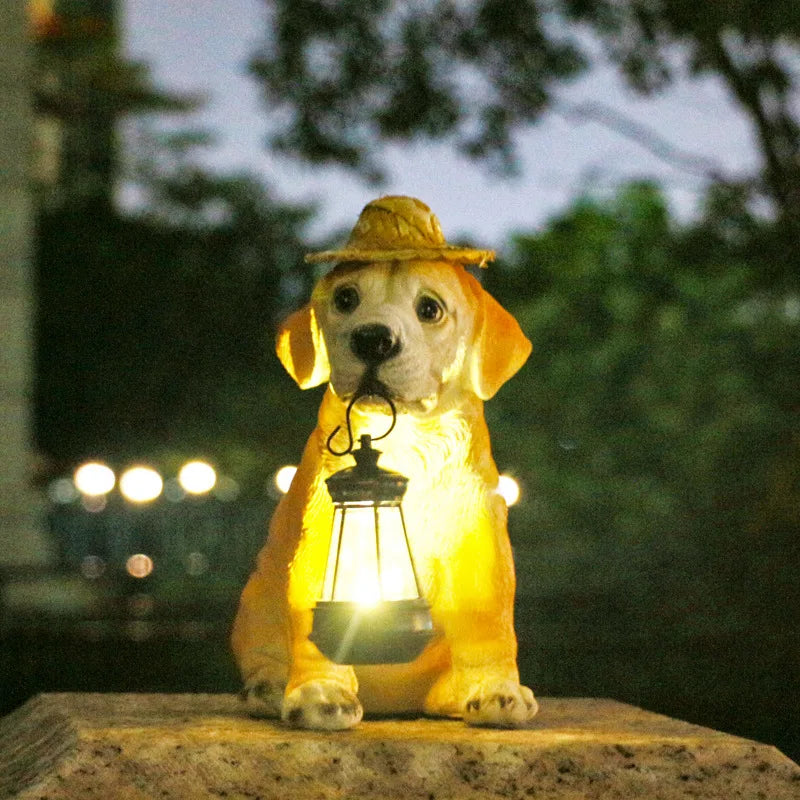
[
  {"x": 301, "y": 349},
  {"x": 499, "y": 347}
]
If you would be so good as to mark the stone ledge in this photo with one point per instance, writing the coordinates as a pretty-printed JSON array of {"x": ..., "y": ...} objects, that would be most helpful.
[{"x": 139, "y": 746}]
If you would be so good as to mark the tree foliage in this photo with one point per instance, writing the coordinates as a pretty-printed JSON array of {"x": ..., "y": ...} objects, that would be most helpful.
[
  {"x": 752, "y": 47},
  {"x": 346, "y": 76},
  {"x": 81, "y": 88},
  {"x": 655, "y": 430},
  {"x": 657, "y": 418},
  {"x": 154, "y": 334}
]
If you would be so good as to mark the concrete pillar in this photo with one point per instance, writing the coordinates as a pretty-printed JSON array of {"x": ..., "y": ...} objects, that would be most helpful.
[{"x": 22, "y": 541}]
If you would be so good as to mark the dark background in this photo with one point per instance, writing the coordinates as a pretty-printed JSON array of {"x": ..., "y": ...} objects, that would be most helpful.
[{"x": 654, "y": 429}]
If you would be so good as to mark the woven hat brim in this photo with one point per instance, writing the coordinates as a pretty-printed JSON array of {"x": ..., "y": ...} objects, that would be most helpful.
[{"x": 459, "y": 255}]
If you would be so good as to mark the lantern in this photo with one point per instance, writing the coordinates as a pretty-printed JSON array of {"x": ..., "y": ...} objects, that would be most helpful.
[{"x": 371, "y": 610}]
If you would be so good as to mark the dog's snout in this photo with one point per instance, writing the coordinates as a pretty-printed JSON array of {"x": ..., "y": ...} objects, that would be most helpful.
[{"x": 374, "y": 344}]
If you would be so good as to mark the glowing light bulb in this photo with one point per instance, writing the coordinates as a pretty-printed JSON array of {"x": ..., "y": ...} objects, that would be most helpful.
[
  {"x": 197, "y": 477},
  {"x": 140, "y": 484},
  {"x": 508, "y": 489},
  {"x": 367, "y": 595},
  {"x": 284, "y": 477},
  {"x": 94, "y": 479},
  {"x": 353, "y": 563}
]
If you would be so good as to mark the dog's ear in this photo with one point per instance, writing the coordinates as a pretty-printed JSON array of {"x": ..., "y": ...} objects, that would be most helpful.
[
  {"x": 499, "y": 347},
  {"x": 301, "y": 349}
]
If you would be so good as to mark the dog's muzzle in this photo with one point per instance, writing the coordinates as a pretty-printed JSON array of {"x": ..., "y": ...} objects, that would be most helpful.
[{"x": 374, "y": 344}]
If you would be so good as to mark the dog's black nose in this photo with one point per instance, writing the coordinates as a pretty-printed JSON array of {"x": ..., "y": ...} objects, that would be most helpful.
[{"x": 374, "y": 344}]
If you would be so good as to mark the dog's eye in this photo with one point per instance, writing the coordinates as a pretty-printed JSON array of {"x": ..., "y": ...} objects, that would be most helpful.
[
  {"x": 429, "y": 309},
  {"x": 346, "y": 299}
]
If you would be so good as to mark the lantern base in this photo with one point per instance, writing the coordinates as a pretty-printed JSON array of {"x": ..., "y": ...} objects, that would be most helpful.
[{"x": 391, "y": 632}]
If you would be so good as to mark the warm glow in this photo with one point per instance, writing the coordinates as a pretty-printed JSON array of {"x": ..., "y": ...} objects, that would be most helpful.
[
  {"x": 284, "y": 477},
  {"x": 140, "y": 484},
  {"x": 508, "y": 489},
  {"x": 197, "y": 477},
  {"x": 367, "y": 594},
  {"x": 358, "y": 578},
  {"x": 94, "y": 479},
  {"x": 139, "y": 565},
  {"x": 41, "y": 14}
]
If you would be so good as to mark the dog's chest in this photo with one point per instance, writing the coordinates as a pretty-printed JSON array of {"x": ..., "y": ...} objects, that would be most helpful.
[{"x": 444, "y": 490}]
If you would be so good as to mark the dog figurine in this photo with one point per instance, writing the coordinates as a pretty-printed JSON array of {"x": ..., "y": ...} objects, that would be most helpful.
[{"x": 399, "y": 310}]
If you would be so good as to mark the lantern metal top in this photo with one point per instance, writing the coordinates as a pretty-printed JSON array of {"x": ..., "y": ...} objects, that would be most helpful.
[{"x": 366, "y": 483}]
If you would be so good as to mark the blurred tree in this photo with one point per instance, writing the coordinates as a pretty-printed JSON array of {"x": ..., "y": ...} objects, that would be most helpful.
[
  {"x": 752, "y": 47},
  {"x": 155, "y": 331},
  {"x": 657, "y": 419},
  {"x": 345, "y": 76},
  {"x": 154, "y": 326},
  {"x": 82, "y": 87},
  {"x": 655, "y": 428},
  {"x": 348, "y": 73}
]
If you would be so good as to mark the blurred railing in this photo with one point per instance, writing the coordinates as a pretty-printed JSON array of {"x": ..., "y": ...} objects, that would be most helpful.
[
  {"x": 198, "y": 538},
  {"x": 152, "y": 572}
]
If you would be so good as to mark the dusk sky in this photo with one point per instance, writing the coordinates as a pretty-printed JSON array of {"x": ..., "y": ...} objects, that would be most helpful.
[{"x": 204, "y": 47}]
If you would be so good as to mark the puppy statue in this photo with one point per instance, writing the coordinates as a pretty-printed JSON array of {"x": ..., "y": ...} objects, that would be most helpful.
[{"x": 399, "y": 311}]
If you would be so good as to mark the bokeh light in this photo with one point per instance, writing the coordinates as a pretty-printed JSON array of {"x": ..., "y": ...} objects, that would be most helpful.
[
  {"x": 196, "y": 563},
  {"x": 139, "y": 630},
  {"x": 508, "y": 488},
  {"x": 92, "y": 567},
  {"x": 94, "y": 479},
  {"x": 197, "y": 477},
  {"x": 62, "y": 491},
  {"x": 227, "y": 489},
  {"x": 140, "y": 484},
  {"x": 173, "y": 491},
  {"x": 94, "y": 504},
  {"x": 139, "y": 565},
  {"x": 284, "y": 477},
  {"x": 141, "y": 604}
]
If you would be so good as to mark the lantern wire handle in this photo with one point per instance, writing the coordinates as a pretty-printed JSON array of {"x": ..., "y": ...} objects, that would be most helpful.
[{"x": 350, "y": 440}]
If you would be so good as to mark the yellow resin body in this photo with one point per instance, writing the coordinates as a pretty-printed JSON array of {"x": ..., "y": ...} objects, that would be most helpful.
[{"x": 456, "y": 519}]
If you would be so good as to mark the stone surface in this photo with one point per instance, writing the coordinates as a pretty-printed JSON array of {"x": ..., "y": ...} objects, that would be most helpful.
[{"x": 124, "y": 746}]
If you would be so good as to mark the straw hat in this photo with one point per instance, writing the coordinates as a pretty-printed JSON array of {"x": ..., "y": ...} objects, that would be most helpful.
[{"x": 397, "y": 228}]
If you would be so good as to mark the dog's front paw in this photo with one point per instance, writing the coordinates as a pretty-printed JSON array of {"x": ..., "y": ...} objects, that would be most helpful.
[
  {"x": 504, "y": 704},
  {"x": 322, "y": 705},
  {"x": 263, "y": 698}
]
